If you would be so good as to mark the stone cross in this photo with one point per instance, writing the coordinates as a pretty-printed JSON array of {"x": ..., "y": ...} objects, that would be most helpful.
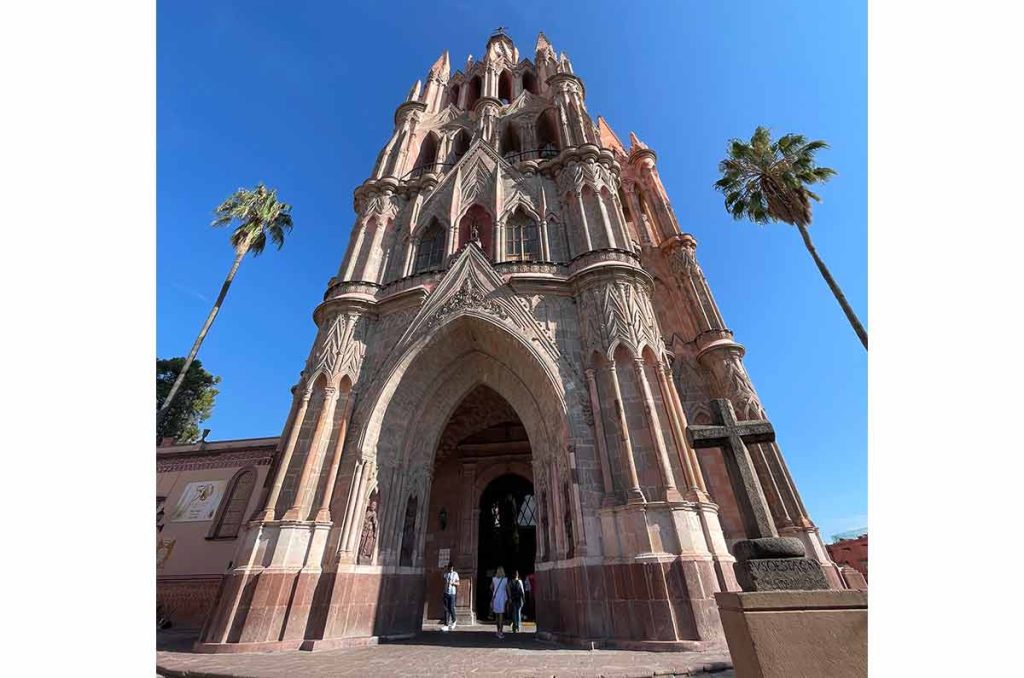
[{"x": 731, "y": 435}]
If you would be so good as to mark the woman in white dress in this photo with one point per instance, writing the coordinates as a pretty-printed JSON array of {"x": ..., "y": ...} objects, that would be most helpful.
[{"x": 499, "y": 594}]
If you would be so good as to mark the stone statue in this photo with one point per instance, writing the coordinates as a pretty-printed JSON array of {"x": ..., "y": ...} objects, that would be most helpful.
[
  {"x": 408, "y": 532},
  {"x": 369, "y": 538}
]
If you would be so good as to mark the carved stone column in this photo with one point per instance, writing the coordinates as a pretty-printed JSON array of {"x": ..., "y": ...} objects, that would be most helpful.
[
  {"x": 286, "y": 457},
  {"x": 545, "y": 246},
  {"x": 323, "y": 514},
  {"x": 602, "y": 443},
  {"x": 634, "y": 493},
  {"x": 583, "y": 221},
  {"x": 356, "y": 249},
  {"x": 677, "y": 418},
  {"x": 350, "y": 507},
  {"x": 606, "y": 221},
  {"x": 323, "y": 427},
  {"x": 654, "y": 422}
]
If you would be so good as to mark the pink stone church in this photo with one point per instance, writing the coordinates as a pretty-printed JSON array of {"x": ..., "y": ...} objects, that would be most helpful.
[{"x": 506, "y": 365}]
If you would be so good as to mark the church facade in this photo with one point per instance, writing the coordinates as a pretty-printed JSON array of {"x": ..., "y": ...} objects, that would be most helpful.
[{"x": 505, "y": 367}]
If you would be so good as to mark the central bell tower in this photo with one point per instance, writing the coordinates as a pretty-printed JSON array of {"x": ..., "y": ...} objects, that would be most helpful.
[{"x": 507, "y": 244}]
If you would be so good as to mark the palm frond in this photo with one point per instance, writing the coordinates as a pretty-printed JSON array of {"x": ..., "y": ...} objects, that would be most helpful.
[
  {"x": 258, "y": 214},
  {"x": 766, "y": 180}
]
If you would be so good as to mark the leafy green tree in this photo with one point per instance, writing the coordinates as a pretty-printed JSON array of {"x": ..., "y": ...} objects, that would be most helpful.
[
  {"x": 765, "y": 180},
  {"x": 194, "y": 403},
  {"x": 259, "y": 216}
]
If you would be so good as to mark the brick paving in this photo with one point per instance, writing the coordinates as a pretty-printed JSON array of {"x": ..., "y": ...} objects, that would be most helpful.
[{"x": 473, "y": 651}]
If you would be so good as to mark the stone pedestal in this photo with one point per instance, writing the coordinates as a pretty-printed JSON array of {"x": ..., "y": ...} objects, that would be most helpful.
[
  {"x": 775, "y": 564},
  {"x": 796, "y": 634}
]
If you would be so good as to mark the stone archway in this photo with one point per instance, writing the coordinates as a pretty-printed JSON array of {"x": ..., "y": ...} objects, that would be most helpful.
[
  {"x": 483, "y": 441},
  {"x": 406, "y": 428}
]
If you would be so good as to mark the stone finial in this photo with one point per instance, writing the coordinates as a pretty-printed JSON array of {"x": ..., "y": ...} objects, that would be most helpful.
[
  {"x": 634, "y": 142},
  {"x": 469, "y": 64},
  {"x": 544, "y": 47},
  {"x": 564, "y": 65},
  {"x": 414, "y": 92},
  {"x": 442, "y": 67}
]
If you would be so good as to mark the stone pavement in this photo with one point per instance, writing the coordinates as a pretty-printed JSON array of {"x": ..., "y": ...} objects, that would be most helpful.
[{"x": 473, "y": 651}]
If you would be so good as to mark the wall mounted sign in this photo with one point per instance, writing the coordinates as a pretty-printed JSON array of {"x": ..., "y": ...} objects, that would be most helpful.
[{"x": 199, "y": 501}]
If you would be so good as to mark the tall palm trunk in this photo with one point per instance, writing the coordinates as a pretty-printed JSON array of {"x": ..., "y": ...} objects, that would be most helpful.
[
  {"x": 202, "y": 333},
  {"x": 840, "y": 297}
]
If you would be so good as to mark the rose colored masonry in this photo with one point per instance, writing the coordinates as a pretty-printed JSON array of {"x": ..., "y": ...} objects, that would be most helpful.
[{"x": 505, "y": 367}]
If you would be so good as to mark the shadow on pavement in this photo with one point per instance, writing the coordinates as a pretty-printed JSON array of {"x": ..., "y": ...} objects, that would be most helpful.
[
  {"x": 176, "y": 640},
  {"x": 478, "y": 637}
]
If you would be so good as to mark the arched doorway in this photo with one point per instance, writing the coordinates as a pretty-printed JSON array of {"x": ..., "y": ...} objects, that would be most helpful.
[
  {"x": 473, "y": 369},
  {"x": 507, "y": 535},
  {"x": 482, "y": 512}
]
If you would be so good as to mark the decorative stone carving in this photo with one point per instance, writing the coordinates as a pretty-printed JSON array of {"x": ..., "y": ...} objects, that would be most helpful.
[
  {"x": 468, "y": 296},
  {"x": 368, "y": 539},
  {"x": 618, "y": 312},
  {"x": 409, "y": 532},
  {"x": 343, "y": 345},
  {"x": 732, "y": 382}
]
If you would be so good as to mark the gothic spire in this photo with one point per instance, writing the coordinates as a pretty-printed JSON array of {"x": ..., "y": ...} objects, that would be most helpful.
[
  {"x": 441, "y": 69},
  {"x": 414, "y": 91},
  {"x": 544, "y": 48}
]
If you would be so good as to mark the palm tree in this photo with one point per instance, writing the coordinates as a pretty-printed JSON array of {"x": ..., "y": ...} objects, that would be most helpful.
[
  {"x": 766, "y": 180},
  {"x": 260, "y": 215}
]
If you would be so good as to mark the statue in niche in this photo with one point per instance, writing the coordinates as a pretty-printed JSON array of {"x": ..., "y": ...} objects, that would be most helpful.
[
  {"x": 408, "y": 532},
  {"x": 570, "y": 541},
  {"x": 474, "y": 234},
  {"x": 369, "y": 537}
]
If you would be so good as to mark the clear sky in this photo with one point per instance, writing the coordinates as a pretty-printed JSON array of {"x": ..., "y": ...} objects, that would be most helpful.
[{"x": 301, "y": 95}]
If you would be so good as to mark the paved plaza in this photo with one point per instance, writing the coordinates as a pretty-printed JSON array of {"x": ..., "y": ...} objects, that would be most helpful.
[{"x": 473, "y": 651}]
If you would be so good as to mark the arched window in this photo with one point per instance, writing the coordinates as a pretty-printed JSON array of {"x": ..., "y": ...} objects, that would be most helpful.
[
  {"x": 231, "y": 513},
  {"x": 505, "y": 86},
  {"x": 510, "y": 144},
  {"x": 461, "y": 145},
  {"x": 453, "y": 95},
  {"x": 428, "y": 154},
  {"x": 522, "y": 238},
  {"x": 547, "y": 134},
  {"x": 431, "y": 249},
  {"x": 475, "y": 86},
  {"x": 530, "y": 82}
]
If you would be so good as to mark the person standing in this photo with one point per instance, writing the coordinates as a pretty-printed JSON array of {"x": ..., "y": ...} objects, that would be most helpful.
[
  {"x": 516, "y": 597},
  {"x": 499, "y": 594},
  {"x": 451, "y": 586}
]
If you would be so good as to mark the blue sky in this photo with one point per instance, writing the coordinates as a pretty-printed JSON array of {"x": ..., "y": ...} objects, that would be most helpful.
[{"x": 301, "y": 95}]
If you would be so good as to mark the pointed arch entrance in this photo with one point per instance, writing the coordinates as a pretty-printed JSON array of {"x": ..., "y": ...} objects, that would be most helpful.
[
  {"x": 470, "y": 401},
  {"x": 482, "y": 511}
]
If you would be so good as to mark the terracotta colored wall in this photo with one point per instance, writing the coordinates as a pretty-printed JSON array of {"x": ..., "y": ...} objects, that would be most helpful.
[
  {"x": 852, "y": 552},
  {"x": 188, "y": 579}
]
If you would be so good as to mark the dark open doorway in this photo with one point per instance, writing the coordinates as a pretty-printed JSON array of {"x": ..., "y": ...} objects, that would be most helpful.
[{"x": 507, "y": 537}]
